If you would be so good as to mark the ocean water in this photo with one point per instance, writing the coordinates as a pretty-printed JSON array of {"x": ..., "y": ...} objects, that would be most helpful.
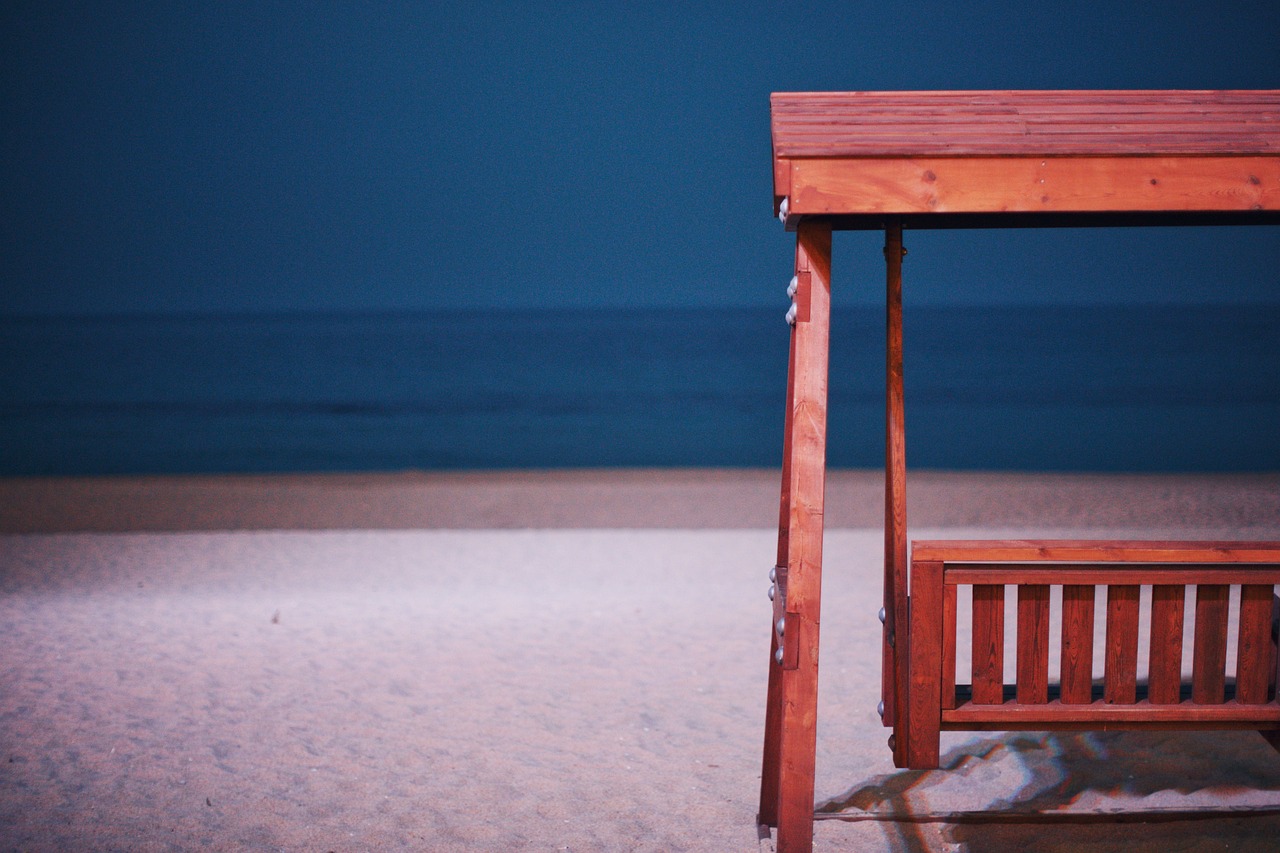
[{"x": 1032, "y": 388}]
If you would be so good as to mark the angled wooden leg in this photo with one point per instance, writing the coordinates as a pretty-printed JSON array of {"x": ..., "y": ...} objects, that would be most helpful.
[
  {"x": 771, "y": 765},
  {"x": 806, "y": 487}
]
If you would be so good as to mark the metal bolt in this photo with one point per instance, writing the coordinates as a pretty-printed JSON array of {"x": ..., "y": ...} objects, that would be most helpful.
[
  {"x": 778, "y": 655},
  {"x": 782, "y": 625},
  {"x": 880, "y": 709},
  {"x": 791, "y": 314},
  {"x": 772, "y": 591},
  {"x": 793, "y": 287},
  {"x": 881, "y": 615},
  {"x": 773, "y": 575},
  {"x": 893, "y": 743},
  {"x": 783, "y": 208}
]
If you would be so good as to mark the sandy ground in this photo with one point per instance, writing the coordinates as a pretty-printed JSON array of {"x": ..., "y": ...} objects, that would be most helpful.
[{"x": 539, "y": 661}]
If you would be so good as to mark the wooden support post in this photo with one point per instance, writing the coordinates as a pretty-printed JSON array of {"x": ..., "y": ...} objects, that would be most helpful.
[
  {"x": 770, "y": 766},
  {"x": 924, "y": 711},
  {"x": 805, "y": 466},
  {"x": 894, "y": 663}
]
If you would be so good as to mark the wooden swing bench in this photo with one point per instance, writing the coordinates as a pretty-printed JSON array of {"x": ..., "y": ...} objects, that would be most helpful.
[{"x": 1008, "y": 159}]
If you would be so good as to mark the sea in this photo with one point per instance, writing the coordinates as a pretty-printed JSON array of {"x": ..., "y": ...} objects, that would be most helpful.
[{"x": 1068, "y": 388}]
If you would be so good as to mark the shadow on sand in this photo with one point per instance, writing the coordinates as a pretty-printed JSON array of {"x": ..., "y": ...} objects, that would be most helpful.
[{"x": 1098, "y": 791}]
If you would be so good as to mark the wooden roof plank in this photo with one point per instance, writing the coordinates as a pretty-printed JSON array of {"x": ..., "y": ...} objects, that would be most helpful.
[{"x": 1185, "y": 139}]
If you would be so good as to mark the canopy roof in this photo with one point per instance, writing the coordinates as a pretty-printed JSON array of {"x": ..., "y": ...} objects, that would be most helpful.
[{"x": 936, "y": 159}]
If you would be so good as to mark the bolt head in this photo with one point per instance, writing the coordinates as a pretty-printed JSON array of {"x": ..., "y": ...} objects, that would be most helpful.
[{"x": 778, "y": 655}]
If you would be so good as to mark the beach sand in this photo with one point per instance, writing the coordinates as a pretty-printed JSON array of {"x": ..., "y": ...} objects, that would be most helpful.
[{"x": 537, "y": 661}]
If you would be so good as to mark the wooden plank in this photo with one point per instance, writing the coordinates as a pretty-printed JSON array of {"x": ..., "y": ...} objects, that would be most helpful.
[
  {"x": 948, "y": 645},
  {"x": 1077, "y": 644},
  {"x": 996, "y": 124},
  {"x": 988, "y": 645},
  {"x": 1011, "y": 715},
  {"x": 924, "y": 711},
  {"x": 1255, "y": 657},
  {"x": 1033, "y": 644},
  {"x": 1095, "y": 551},
  {"x": 1165, "y": 667},
  {"x": 804, "y": 540},
  {"x": 894, "y": 666},
  {"x": 1121, "y": 653},
  {"x": 771, "y": 763},
  {"x": 1137, "y": 574},
  {"x": 1209, "y": 658},
  {"x": 896, "y": 186}
]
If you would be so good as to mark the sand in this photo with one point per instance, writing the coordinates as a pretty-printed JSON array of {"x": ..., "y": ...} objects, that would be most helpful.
[{"x": 536, "y": 661}]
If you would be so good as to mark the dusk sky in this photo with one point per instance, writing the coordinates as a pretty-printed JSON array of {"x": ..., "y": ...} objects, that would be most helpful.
[{"x": 278, "y": 156}]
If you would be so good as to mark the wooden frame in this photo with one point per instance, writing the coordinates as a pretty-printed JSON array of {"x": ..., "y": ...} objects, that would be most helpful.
[{"x": 868, "y": 160}]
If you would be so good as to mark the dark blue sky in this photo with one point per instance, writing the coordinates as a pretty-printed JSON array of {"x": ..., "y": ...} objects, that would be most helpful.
[{"x": 369, "y": 156}]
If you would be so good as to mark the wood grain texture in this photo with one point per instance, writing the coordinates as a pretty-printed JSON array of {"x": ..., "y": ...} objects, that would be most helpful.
[
  {"x": 1077, "y": 644},
  {"x": 988, "y": 645},
  {"x": 1034, "y": 185},
  {"x": 1096, "y": 551},
  {"x": 1255, "y": 661},
  {"x": 1165, "y": 660},
  {"x": 924, "y": 698},
  {"x": 1055, "y": 714},
  {"x": 1033, "y": 644},
  {"x": 949, "y": 617},
  {"x": 1043, "y": 123},
  {"x": 806, "y": 486},
  {"x": 895, "y": 473},
  {"x": 1121, "y": 674},
  {"x": 1209, "y": 658}
]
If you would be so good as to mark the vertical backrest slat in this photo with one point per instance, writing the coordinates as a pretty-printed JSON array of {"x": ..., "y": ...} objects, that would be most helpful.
[
  {"x": 1077, "y": 644},
  {"x": 1167, "y": 605},
  {"x": 988, "y": 644},
  {"x": 1122, "y": 645},
  {"x": 1209, "y": 661},
  {"x": 1254, "y": 659},
  {"x": 1033, "y": 644},
  {"x": 948, "y": 646}
]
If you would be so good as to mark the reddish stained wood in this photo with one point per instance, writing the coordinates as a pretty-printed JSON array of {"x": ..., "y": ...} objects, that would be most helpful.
[
  {"x": 770, "y": 765},
  {"x": 1033, "y": 644},
  {"x": 1077, "y": 644},
  {"x": 1002, "y": 123},
  {"x": 1187, "y": 715},
  {"x": 924, "y": 699},
  {"x": 988, "y": 645},
  {"x": 1165, "y": 667},
  {"x": 894, "y": 664},
  {"x": 899, "y": 187},
  {"x": 1137, "y": 575},
  {"x": 1121, "y": 675},
  {"x": 1095, "y": 551},
  {"x": 1209, "y": 660},
  {"x": 948, "y": 646},
  {"x": 1255, "y": 661},
  {"x": 798, "y": 742}
]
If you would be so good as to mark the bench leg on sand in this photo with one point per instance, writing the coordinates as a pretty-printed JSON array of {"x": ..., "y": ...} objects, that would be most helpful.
[{"x": 786, "y": 789}]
